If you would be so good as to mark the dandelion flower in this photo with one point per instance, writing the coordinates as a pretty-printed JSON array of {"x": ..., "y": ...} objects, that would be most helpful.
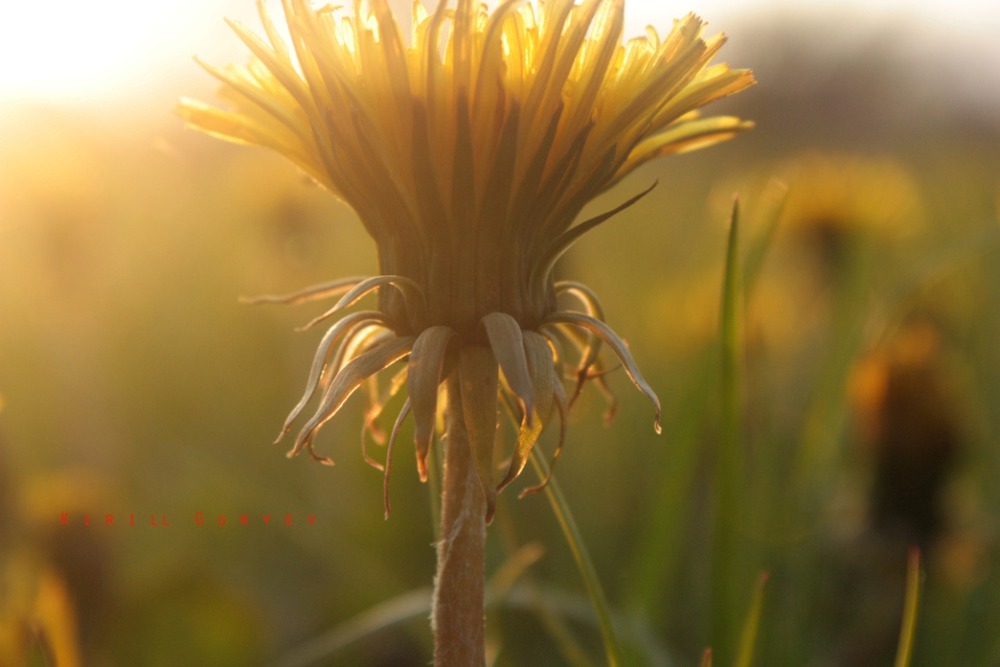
[
  {"x": 836, "y": 200},
  {"x": 468, "y": 153}
]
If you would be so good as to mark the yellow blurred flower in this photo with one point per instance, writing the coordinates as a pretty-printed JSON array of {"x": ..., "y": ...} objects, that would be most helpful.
[
  {"x": 468, "y": 153},
  {"x": 43, "y": 606},
  {"x": 835, "y": 198},
  {"x": 822, "y": 219}
]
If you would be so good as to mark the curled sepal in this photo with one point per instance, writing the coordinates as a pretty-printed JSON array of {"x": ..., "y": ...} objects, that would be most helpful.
[
  {"x": 612, "y": 340},
  {"x": 346, "y": 382},
  {"x": 559, "y": 245},
  {"x": 592, "y": 348},
  {"x": 412, "y": 295},
  {"x": 311, "y": 293},
  {"x": 479, "y": 380},
  {"x": 544, "y": 380},
  {"x": 588, "y": 347},
  {"x": 358, "y": 340},
  {"x": 322, "y": 358},
  {"x": 562, "y": 336},
  {"x": 424, "y": 376},
  {"x": 609, "y": 397},
  {"x": 507, "y": 341},
  {"x": 369, "y": 426},
  {"x": 559, "y": 394},
  {"x": 388, "y": 454},
  {"x": 370, "y": 422}
]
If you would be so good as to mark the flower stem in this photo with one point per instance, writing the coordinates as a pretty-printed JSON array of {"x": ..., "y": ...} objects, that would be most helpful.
[{"x": 457, "y": 616}]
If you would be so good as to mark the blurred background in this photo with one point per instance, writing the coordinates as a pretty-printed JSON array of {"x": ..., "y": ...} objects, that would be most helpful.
[{"x": 133, "y": 383}]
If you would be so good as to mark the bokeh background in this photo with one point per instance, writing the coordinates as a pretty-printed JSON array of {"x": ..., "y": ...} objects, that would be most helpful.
[{"x": 132, "y": 382}]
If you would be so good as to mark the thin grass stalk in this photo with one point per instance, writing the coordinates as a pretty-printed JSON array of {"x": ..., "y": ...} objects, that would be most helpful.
[
  {"x": 911, "y": 608},
  {"x": 583, "y": 561},
  {"x": 552, "y": 622},
  {"x": 827, "y": 414},
  {"x": 751, "y": 626},
  {"x": 663, "y": 537},
  {"x": 457, "y": 617},
  {"x": 729, "y": 454},
  {"x": 369, "y": 623}
]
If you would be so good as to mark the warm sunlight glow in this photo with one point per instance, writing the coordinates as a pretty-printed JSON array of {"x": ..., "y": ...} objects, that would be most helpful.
[
  {"x": 78, "y": 49},
  {"x": 91, "y": 51},
  {"x": 975, "y": 20}
]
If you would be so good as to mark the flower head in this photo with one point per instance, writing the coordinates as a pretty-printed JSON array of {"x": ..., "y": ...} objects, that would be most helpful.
[
  {"x": 468, "y": 153},
  {"x": 835, "y": 200}
]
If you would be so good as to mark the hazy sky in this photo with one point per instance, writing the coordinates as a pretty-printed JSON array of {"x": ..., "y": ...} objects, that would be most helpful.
[{"x": 100, "y": 51}]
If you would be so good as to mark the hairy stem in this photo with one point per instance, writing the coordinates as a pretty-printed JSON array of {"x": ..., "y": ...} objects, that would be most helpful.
[{"x": 457, "y": 616}]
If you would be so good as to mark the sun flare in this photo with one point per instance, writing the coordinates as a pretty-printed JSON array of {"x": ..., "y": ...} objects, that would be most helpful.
[{"x": 70, "y": 50}]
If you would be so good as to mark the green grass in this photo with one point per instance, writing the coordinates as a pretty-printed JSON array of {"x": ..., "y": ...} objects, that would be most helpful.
[{"x": 126, "y": 359}]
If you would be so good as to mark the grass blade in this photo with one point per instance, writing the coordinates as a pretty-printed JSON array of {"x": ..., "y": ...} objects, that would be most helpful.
[
  {"x": 751, "y": 625},
  {"x": 911, "y": 608},
  {"x": 583, "y": 561},
  {"x": 728, "y": 463}
]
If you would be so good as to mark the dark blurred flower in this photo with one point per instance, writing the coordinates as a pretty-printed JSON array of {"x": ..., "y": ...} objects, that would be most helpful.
[
  {"x": 909, "y": 425},
  {"x": 909, "y": 422}
]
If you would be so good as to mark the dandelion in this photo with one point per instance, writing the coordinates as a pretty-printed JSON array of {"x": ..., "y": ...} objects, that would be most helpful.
[
  {"x": 904, "y": 402},
  {"x": 836, "y": 201},
  {"x": 831, "y": 218},
  {"x": 468, "y": 152}
]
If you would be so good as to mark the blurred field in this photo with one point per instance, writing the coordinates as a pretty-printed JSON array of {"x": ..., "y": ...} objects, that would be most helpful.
[{"x": 132, "y": 382}]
